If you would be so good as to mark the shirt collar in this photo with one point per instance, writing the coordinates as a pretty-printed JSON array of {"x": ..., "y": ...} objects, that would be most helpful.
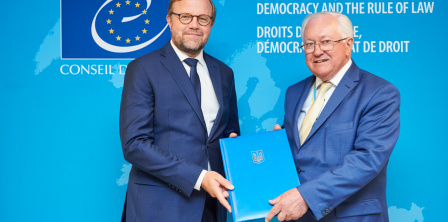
[
  {"x": 182, "y": 56},
  {"x": 338, "y": 77}
]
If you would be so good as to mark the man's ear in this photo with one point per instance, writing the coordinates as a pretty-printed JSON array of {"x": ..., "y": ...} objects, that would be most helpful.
[
  {"x": 349, "y": 46},
  {"x": 168, "y": 19}
]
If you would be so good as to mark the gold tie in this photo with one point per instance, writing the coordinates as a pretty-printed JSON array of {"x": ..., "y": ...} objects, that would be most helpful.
[{"x": 313, "y": 113}]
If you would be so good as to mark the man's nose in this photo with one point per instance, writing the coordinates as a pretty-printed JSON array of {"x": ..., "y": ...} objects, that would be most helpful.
[
  {"x": 194, "y": 24},
  {"x": 317, "y": 50}
]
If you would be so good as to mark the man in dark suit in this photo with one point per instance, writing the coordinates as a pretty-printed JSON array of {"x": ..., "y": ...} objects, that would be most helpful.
[
  {"x": 177, "y": 103},
  {"x": 342, "y": 124}
]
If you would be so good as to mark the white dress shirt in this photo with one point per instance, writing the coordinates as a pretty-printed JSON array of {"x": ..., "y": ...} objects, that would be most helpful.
[
  {"x": 209, "y": 101},
  {"x": 309, "y": 99}
]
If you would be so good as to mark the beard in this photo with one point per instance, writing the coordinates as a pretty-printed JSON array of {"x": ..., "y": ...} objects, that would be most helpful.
[{"x": 189, "y": 46}]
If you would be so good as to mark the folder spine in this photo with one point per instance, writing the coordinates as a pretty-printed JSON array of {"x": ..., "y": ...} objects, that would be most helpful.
[{"x": 228, "y": 176}]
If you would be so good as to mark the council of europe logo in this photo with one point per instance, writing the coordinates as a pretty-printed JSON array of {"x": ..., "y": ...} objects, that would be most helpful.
[{"x": 112, "y": 29}]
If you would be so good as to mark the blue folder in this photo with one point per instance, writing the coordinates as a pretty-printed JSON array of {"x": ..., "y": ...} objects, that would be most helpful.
[{"x": 261, "y": 167}]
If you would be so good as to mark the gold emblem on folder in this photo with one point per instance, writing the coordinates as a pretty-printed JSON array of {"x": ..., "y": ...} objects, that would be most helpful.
[{"x": 257, "y": 156}]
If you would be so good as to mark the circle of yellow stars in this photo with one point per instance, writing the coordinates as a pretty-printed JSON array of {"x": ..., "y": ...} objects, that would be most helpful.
[{"x": 109, "y": 22}]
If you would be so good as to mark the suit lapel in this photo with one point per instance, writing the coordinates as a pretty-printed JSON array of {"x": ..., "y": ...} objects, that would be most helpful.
[
  {"x": 303, "y": 92},
  {"x": 348, "y": 82},
  {"x": 176, "y": 69},
  {"x": 215, "y": 76}
]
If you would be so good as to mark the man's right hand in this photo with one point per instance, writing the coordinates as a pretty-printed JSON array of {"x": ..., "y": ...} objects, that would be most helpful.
[
  {"x": 217, "y": 186},
  {"x": 276, "y": 127},
  {"x": 288, "y": 206}
]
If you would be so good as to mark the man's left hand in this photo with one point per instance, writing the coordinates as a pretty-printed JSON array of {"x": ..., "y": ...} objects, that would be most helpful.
[
  {"x": 288, "y": 206},
  {"x": 276, "y": 127},
  {"x": 233, "y": 135}
]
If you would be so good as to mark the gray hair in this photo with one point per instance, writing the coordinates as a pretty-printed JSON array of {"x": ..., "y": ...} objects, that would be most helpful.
[{"x": 345, "y": 26}]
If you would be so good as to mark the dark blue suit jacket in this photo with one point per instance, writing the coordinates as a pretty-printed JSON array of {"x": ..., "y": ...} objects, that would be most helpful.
[
  {"x": 164, "y": 136},
  {"x": 342, "y": 164}
]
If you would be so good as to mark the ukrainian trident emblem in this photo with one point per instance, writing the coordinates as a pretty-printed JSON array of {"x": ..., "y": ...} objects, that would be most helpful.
[{"x": 257, "y": 156}]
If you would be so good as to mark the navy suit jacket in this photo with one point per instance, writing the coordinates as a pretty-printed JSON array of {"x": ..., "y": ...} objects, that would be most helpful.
[
  {"x": 342, "y": 164},
  {"x": 164, "y": 135}
]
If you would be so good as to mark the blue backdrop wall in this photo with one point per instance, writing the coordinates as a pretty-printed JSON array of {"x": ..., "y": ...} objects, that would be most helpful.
[{"x": 63, "y": 71}]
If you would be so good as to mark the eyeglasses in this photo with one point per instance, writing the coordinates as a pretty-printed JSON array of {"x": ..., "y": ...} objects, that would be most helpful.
[
  {"x": 186, "y": 18},
  {"x": 325, "y": 45}
]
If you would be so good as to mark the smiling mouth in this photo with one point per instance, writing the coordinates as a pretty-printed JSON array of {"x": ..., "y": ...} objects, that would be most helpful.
[
  {"x": 193, "y": 34},
  {"x": 321, "y": 61}
]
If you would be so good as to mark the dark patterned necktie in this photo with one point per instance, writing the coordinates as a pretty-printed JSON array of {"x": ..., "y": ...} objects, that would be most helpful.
[{"x": 194, "y": 77}]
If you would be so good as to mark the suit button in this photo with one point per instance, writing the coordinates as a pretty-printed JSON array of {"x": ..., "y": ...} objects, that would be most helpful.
[
  {"x": 327, "y": 211},
  {"x": 331, "y": 208},
  {"x": 323, "y": 213}
]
